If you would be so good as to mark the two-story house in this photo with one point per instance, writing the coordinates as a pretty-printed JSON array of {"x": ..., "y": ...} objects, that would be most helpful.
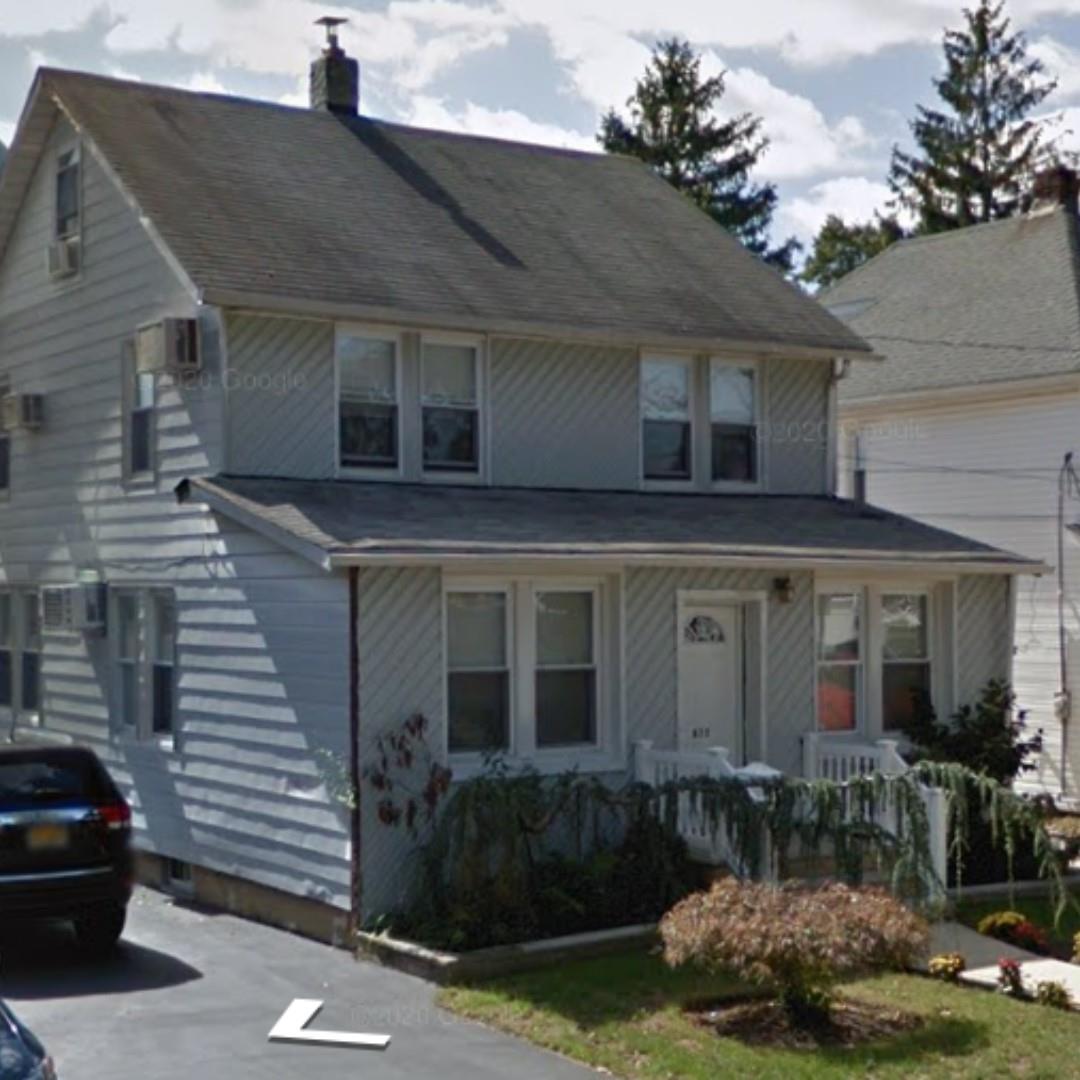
[
  {"x": 967, "y": 423},
  {"x": 317, "y": 422}
]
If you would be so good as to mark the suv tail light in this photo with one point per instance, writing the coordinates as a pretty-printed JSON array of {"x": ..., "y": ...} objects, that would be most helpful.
[{"x": 116, "y": 815}]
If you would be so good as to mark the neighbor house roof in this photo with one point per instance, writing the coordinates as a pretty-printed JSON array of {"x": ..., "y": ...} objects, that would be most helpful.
[
  {"x": 337, "y": 521},
  {"x": 264, "y": 204},
  {"x": 990, "y": 303}
]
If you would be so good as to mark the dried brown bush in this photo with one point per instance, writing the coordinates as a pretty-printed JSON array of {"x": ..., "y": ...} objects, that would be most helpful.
[{"x": 795, "y": 940}]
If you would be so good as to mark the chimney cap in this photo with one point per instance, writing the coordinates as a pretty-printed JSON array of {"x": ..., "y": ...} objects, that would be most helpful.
[{"x": 331, "y": 23}]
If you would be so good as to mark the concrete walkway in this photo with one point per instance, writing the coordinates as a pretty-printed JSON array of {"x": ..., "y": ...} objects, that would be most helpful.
[{"x": 982, "y": 954}]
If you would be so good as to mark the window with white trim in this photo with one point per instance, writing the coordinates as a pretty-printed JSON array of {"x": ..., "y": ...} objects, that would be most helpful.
[
  {"x": 67, "y": 216},
  {"x": 30, "y": 643},
  {"x": 368, "y": 401},
  {"x": 478, "y": 670},
  {"x": 162, "y": 660},
  {"x": 450, "y": 406},
  {"x": 905, "y": 656},
  {"x": 140, "y": 450},
  {"x": 733, "y": 420},
  {"x": 125, "y": 632},
  {"x": 840, "y": 670},
  {"x": 20, "y": 652},
  {"x": 524, "y": 667},
  {"x": 7, "y": 650},
  {"x": 666, "y": 418}
]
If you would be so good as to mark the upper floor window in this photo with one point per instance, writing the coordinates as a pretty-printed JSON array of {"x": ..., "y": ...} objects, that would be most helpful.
[
  {"x": 839, "y": 660},
  {"x": 67, "y": 193},
  {"x": 368, "y": 402},
  {"x": 905, "y": 656},
  {"x": 141, "y": 423},
  {"x": 450, "y": 404},
  {"x": 733, "y": 419},
  {"x": 666, "y": 424}
]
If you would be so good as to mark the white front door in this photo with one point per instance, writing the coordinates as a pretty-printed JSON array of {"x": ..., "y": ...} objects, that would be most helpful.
[{"x": 710, "y": 677}]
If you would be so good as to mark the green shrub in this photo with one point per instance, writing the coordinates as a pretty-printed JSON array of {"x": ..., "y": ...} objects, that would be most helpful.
[
  {"x": 1053, "y": 994},
  {"x": 794, "y": 940}
]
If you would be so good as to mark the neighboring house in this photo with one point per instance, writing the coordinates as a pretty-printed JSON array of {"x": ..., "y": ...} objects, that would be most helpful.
[
  {"x": 966, "y": 424},
  {"x": 509, "y": 436}
]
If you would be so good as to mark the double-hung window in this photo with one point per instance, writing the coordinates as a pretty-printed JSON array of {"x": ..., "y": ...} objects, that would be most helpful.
[
  {"x": 126, "y": 658},
  {"x": 368, "y": 408},
  {"x": 7, "y": 649},
  {"x": 666, "y": 426},
  {"x": 162, "y": 660},
  {"x": 141, "y": 423},
  {"x": 30, "y": 690},
  {"x": 450, "y": 406},
  {"x": 839, "y": 660},
  {"x": 523, "y": 667},
  {"x": 478, "y": 670},
  {"x": 733, "y": 420},
  {"x": 5, "y": 444},
  {"x": 905, "y": 656},
  {"x": 67, "y": 194}
]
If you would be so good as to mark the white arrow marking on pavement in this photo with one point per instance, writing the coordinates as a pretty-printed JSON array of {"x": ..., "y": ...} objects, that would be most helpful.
[{"x": 292, "y": 1025}]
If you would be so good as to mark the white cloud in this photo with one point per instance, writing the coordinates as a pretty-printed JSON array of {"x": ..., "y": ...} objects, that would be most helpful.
[
  {"x": 1062, "y": 63},
  {"x": 498, "y": 123},
  {"x": 854, "y": 198}
]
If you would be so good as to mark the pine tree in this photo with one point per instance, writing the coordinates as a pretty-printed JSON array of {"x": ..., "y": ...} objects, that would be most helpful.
[
  {"x": 975, "y": 159},
  {"x": 839, "y": 248},
  {"x": 674, "y": 127}
]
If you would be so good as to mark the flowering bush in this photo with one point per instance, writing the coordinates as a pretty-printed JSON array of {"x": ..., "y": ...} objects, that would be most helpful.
[
  {"x": 1016, "y": 929},
  {"x": 1053, "y": 994},
  {"x": 1009, "y": 980},
  {"x": 792, "y": 939},
  {"x": 947, "y": 966}
]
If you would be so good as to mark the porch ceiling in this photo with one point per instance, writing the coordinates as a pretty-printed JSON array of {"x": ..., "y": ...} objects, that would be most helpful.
[{"x": 342, "y": 522}]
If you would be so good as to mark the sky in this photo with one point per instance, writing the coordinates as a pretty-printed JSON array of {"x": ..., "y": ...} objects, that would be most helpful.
[{"x": 836, "y": 82}]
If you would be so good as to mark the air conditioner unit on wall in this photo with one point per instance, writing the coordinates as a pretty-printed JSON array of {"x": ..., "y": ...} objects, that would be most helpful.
[
  {"x": 74, "y": 609},
  {"x": 170, "y": 345},
  {"x": 22, "y": 412},
  {"x": 63, "y": 257}
]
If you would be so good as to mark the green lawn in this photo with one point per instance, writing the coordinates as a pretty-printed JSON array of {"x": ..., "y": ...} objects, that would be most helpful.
[{"x": 622, "y": 1013}]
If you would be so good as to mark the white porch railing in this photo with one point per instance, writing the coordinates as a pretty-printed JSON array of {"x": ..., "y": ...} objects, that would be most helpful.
[
  {"x": 826, "y": 757},
  {"x": 715, "y": 846}
]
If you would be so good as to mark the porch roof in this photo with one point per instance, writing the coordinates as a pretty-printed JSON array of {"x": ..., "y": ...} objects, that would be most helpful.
[{"x": 338, "y": 523}]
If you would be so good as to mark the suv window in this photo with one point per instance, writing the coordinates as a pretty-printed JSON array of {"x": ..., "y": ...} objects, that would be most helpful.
[{"x": 44, "y": 777}]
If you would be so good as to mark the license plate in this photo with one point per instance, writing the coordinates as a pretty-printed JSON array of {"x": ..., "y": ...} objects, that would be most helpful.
[{"x": 46, "y": 837}]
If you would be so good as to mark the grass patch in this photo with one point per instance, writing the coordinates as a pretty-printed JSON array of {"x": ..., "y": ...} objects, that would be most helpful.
[{"x": 626, "y": 1013}]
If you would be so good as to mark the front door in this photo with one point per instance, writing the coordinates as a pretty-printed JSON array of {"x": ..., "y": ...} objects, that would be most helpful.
[{"x": 710, "y": 677}]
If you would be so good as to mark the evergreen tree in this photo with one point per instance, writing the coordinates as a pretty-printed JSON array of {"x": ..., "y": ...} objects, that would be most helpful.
[
  {"x": 673, "y": 127},
  {"x": 839, "y": 247},
  {"x": 976, "y": 157}
]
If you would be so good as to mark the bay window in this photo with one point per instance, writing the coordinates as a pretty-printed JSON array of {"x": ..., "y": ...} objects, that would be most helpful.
[
  {"x": 905, "y": 656},
  {"x": 840, "y": 664},
  {"x": 368, "y": 420},
  {"x": 733, "y": 420},
  {"x": 666, "y": 427},
  {"x": 450, "y": 407},
  {"x": 525, "y": 664}
]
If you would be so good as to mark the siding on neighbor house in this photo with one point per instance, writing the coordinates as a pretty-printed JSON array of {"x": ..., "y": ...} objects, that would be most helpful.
[
  {"x": 262, "y": 636},
  {"x": 559, "y": 414},
  {"x": 999, "y": 485}
]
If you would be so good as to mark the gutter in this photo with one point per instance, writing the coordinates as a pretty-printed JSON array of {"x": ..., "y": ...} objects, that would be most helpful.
[{"x": 355, "y": 874}]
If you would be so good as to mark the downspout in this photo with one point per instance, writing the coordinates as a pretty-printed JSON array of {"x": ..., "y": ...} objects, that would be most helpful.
[
  {"x": 840, "y": 369},
  {"x": 355, "y": 877},
  {"x": 1062, "y": 699}
]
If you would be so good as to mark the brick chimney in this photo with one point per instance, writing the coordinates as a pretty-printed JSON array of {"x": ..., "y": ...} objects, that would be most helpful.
[
  {"x": 335, "y": 77},
  {"x": 1056, "y": 186}
]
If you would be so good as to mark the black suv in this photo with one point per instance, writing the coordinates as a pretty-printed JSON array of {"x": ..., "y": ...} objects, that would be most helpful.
[{"x": 65, "y": 842}]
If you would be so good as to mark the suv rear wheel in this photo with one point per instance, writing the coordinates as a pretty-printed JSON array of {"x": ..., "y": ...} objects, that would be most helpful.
[{"x": 99, "y": 929}]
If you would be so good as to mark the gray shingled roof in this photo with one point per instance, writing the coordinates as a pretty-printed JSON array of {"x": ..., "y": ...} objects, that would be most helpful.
[
  {"x": 278, "y": 203},
  {"x": 980, "y": 305},
  {"x": 352, "y": 518}
]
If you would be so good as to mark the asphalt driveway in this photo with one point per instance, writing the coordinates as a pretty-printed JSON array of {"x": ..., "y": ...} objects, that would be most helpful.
[{"x": 193, "y": 994}]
